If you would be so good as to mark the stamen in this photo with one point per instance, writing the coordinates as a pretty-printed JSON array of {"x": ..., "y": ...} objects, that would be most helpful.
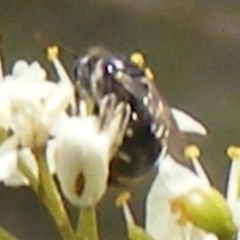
[
  {"x": 233, "y": 152},
  {"x": 192, "y": 152},
  {"x": 210, "y": 236},
  {"x": 121, "y": 201},
  {"x": 233, "y": 187},
  {"x": 53, "y": 53}
]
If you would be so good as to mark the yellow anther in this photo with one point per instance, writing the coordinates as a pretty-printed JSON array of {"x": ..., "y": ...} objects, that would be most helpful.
[
  {"x": 52, "y": 52},
  {"x": 138, "y": 59},
  {"x": 122, "y": 198},
  {"x": 149, "y": 74},
  {"x": 192, "y": 151},
  {"x": 233, "y": 152}
]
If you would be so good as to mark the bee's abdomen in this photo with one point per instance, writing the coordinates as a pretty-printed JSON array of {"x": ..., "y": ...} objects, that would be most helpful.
[{"x": 137, "y": 155}]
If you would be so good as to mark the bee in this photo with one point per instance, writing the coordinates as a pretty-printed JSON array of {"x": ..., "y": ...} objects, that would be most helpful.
[{"x": 151, "y": 130}]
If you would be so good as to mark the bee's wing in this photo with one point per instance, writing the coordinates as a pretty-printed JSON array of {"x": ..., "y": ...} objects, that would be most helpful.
[
  {"x": 165, "y": 129},
  {"x": 175, "y": 140}
]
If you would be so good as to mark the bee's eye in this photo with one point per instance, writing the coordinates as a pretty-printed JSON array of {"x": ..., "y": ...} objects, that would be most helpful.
[
  {"x": 112, "y": 66},
  {"x": 109, "y": 69}
]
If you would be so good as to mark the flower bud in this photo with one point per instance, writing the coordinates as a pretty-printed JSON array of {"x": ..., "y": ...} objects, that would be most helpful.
[{"x": 205, "y": 208}]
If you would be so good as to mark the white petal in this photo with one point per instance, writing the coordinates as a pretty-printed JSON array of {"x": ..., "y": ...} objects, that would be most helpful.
[
  {"x": 16, "y": 180},
  {"x": 33, "y": 91},
  {"x": 80, "y": 149},
  {"x": 37, "y": 71},
  {"x": 19, "y": 68},
  {"x": 30, "y": 108},
  {"x": 210, "y": 237},
  {"x": 9, "y": 172},
  {"x": 61, "y": 120},
  {"x": 5, "y": 112},
  {"x": 160, "y": 223},
  {"x": 8, "y": 165},
  {"x": 8, "y": 78},
  {"x": 29, "y": 159},
  {"x": 187, "y": 123},
  {"x": 171, "y": 181},
  {"x": 56, "y": 105},
  {"x": 22, "y": 71},
  {"x": 9, "y": 145},
  {"x": 26, "y": 125},
  {"x": 177, "y": 178},
  {"x": 51, "y": 156}
]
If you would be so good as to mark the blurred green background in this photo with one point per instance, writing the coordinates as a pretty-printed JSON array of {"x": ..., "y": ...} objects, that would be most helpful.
[{"x": 193, "y": 48}]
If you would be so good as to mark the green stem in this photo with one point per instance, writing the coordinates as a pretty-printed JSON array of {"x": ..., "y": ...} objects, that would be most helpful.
[
  {"x": 49, "y": 194},
  {"x": 5, "y": 235},
  {"x": 87, "y": 224}
]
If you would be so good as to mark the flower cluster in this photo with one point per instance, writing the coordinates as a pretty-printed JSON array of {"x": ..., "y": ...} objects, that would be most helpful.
[
  {"x": 182, "y": 204},
  {"x": 44, "y": 131},
  {"x": 30, "y": 107}
]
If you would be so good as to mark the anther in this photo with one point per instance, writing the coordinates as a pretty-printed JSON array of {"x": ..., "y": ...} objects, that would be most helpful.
[
  {"x": 192, "y": 151},
  {"x": 138, "y": 59},
  {"x": 52, "y": 52},
  {"x": 122, "y": 199},
  {"x": 233, "y": 152}
]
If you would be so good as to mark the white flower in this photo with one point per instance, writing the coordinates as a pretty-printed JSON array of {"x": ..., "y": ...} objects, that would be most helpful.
[
  {"x": 83, "y": 149},
  {"x": 233, "y": 195},
  {"x": 183, "y": 205},
  {"x": 29, "y": 107},
  {"x": 29, "y": 104},
  {"x": 10, "y": 159},
  {"x": 172, "y": 181},
  {"x": 179, "y": 199}
]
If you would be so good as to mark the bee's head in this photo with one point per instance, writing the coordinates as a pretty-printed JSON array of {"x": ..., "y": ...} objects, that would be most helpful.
[
  {"x": 100, "y": 72},
  {"x": 83, "y": 68}
]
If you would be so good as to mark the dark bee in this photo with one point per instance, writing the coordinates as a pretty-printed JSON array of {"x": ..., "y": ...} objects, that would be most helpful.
[{"x": 151, "y": 129}]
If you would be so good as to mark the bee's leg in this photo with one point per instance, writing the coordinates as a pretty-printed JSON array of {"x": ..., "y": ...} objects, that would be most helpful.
[
  {"x": 118, "y": 126},
  {"x": 114, "y": 118},
  {"x": 106, "y": 113}
]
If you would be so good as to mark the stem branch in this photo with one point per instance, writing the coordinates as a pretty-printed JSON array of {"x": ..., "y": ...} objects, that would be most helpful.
[
  {"x": 87, "y": 224},
  {"x": 48, "y": 193}
]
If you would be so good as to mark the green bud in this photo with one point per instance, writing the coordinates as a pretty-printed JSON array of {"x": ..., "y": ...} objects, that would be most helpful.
[{"x": 207, "y": 209}]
